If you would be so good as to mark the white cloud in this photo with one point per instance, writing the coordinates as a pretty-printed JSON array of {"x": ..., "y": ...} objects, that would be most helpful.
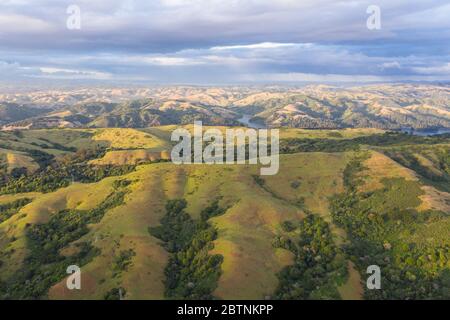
[
  {"x": 309, "y": 77},
  {"x": 16, "y": 23},
  {"x": 443, "y": 69},
  {"x": 167, "y": 61},
  {"x": 390, "y": 65},
  {"x": 72, "y": 73},
  {"x": 263, "y": 45}
]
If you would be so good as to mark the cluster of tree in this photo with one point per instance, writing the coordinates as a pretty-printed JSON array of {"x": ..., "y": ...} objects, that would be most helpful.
[
  {"x": 45, "y": 160},
  {"x": 42, "y": 158},
  {"x": 115, "y": 294},
  {"x": 44, "y": 266},
  {"x": 122, "y": 183},
  {"x": 439, "y": 175},
  {"x": 7, "y": 210},
  {"x": 123, "y": 261},
  {"x": 293, "y": 121},
  {"x": 378, "y": 225},
  {"x": 53, "y": 145},
  {"x": 57, "y": 174},
  {"x": 191, "y": 273},
  {"x": 444, "y": 160},
  {"x": 61, "y": 175},
  {"x": 342, "y": 145},
  {"x": 318, "y": 265},
  {"x": 3, "y": 169}
]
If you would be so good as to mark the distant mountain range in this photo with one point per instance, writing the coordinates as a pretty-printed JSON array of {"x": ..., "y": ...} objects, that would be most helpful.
[{"x": 389, "y": 106}]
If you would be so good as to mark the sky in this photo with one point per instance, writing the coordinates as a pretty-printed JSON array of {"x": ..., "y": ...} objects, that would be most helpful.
[{"x": 224, "y": 41}]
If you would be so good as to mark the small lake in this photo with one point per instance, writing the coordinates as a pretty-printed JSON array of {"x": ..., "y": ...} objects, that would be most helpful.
[
  {"x": 246, "y": 121},
  {"x": 426, "y": 132}
]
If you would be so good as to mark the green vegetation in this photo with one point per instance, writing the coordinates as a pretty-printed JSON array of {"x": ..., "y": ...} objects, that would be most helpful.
[
  {"x": 380, "y": 226},
  {"x": 192, "y": 273},
  {"x": 295, "y": 184},
  {"x": 121, "y": 183},
  {"x": 318, "y": 267},
  {"x": 123, "y": 261},
  {"x": 52, "y": 179},
  {"x": 342, "y": 145},
  {"x": 9, "y": 209},
  {"x": 115, "y": 294},
  {"x": 45, "y": 266},
  {"x": 54, "y": 145},
  {"x": 433, "y": 165},
  {"x": 385, "y": 214},
  {"x": 288, "y": 226},
  {"x": 60, "y": 174}
]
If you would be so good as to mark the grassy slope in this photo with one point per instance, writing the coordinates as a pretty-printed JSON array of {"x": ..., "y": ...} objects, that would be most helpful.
[
  {"x": 379, "y": 167},
  {"x": 312, "y": 178},
  {"x": 246, "y": 230},
  {"x": 123, "y": 228},
  {"x": 121, "y": 157},
  {"x": 328, "y": 134},
  {"x": 16, "y": 159},
  {"x": 79, "y": 196},
  {"x": 130, "y": 139}
]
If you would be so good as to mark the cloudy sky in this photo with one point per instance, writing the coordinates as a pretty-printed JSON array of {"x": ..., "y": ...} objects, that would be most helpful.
[{"x": 223, "y": 41}]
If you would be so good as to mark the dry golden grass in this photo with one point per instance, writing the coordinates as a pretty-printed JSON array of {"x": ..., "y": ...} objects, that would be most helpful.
[
  {"x": 76, "y": 196},
  {"x": 122, "y": 228},
  {"x": 130, "y": 139},
  {"x": 5, "y": 198},
  {"x": 319, "y": 176},
  {"x": 428, "y": 164},
  {"x": 349, "y": 133},
  {"x": 19, "y": 160},
  {"x": 434, "y": 199},
  {"x": 121, "y": 157},
  {"x": 378, "y": 167},
  {"x": 352, "y": 289}
]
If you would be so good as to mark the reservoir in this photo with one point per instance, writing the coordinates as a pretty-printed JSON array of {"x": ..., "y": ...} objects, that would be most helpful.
[
  {"x": 246, "y": 121},
  {"x": 425, "y": 132}
]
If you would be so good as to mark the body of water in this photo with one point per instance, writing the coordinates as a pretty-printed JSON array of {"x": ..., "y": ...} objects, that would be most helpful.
[
  {"x": 426, "y": 132},
  {"x": 246, "y": 121}
]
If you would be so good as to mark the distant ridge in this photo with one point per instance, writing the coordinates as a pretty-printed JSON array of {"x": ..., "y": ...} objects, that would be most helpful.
[{"x": 384, "y": 106}]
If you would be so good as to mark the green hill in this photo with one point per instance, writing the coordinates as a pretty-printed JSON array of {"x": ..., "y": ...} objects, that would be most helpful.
[{"x": 342, "y": 200}]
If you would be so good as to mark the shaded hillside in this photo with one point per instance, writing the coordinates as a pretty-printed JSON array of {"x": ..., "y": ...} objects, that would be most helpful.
[{"x": 12, "y": 112}]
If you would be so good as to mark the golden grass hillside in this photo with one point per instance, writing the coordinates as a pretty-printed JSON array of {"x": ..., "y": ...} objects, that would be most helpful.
[
  {"x": 130, "y": 139},
  {"x": 15, "y": 160},
  {"x": 255, "y": 209},
  {"x": 245, "y": 231},
  {"x": 379, "y": 166},
  {"x": 121, "y": 157}
]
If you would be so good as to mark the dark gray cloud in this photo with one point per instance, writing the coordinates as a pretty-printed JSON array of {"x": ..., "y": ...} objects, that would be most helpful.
[{"x": 225, "y": 41}]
